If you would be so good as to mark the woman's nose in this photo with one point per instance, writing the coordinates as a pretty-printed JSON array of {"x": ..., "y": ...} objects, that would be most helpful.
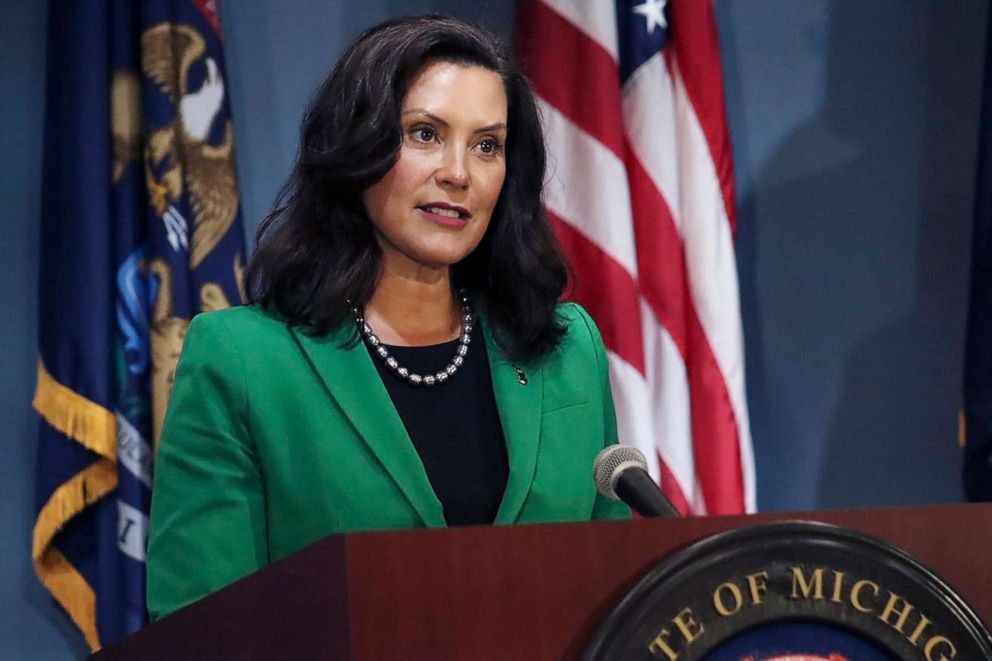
[{"x": 453, "y": 170}]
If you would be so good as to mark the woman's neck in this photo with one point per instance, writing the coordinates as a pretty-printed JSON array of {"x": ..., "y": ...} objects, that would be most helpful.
[{"x": 414, "y": 309}]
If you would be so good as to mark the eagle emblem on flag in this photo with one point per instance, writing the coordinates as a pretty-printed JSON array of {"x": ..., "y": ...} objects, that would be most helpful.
[
  {"x": 185, "y": 152},
  {"x": 140, "y": 232}
]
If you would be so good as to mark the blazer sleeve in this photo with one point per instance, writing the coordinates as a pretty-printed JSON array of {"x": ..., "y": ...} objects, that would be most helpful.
[
  {"x": 208, "y": 523},
  {"x": 604, "y": 508}
]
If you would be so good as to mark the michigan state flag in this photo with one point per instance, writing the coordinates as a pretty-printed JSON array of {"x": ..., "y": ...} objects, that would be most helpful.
[
  {"x": 977, "y": 427},
  {"x": 140, "y": 231}
]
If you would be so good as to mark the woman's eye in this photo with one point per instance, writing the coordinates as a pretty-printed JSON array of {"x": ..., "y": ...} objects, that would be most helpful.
[
  {"x": 490, "y": 146},
  {"x": 424, "y": 134}
]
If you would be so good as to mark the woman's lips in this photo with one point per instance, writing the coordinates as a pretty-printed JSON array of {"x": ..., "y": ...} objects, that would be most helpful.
[{"x": 443, "y": 216}]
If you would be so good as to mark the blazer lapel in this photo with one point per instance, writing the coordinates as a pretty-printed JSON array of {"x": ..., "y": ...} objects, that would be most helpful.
[
  {"x": 519, "y": 407},
  {"x": 352, "y": 381}
]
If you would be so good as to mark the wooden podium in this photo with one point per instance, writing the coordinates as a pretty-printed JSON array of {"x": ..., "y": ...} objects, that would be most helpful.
[{"x": 521, "y": 592}]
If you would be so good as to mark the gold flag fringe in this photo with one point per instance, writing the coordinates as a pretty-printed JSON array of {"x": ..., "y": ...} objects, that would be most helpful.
[
  {"x": 94, "y": 427},
  {"x": 75, "y": 416}
]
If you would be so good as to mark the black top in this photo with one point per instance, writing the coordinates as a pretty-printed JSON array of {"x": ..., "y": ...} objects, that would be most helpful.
[{"x": 455, "y": 428}]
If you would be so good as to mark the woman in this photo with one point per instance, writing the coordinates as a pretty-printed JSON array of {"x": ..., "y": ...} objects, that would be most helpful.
[{"x": 405, "y": 362}]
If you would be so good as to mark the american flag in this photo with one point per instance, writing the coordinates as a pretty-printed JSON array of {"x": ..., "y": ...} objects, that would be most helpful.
[{"x": 641, "y": 193}]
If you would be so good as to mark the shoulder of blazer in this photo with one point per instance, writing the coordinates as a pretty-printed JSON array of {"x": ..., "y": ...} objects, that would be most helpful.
[
  {"x": 247, "y": 329},
  {"x": 576, "y": 319},
  {"x": 581, "y": 333},
  {"x": 242, "y": 321}
]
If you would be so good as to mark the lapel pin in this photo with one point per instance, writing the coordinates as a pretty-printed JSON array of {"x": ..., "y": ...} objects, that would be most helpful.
[{"x": 521, "y": 376}]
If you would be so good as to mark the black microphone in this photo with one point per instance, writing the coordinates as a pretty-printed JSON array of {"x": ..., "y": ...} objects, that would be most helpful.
[{"x": 621, "y": 473}]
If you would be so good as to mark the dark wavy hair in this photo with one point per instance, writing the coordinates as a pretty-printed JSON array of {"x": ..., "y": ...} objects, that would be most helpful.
[{"x": 316, "y": 250}]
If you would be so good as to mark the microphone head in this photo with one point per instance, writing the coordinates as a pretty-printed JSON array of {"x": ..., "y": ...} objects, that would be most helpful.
[{"x": 611, "y": 462}]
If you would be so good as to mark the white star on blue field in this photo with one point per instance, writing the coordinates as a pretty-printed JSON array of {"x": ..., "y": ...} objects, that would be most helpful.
[
  {"x": 642, "y": 31},
  {"x": 653, "y": 12}
]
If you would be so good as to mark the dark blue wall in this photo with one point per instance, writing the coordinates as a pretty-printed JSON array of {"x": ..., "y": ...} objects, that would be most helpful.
[
  {"x": 854, "y": 125},
  {"x": 30, "y": 626}
]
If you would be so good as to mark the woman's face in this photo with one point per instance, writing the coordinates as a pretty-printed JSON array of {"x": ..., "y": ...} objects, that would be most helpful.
[{"x": 433, "y": 206}]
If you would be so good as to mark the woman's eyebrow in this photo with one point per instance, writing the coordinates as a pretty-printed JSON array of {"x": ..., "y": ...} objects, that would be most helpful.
[{"x": 499, "y": 126}]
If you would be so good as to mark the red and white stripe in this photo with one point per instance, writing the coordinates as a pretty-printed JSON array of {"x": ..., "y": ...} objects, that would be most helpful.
[{"x": 641, "y": 193}]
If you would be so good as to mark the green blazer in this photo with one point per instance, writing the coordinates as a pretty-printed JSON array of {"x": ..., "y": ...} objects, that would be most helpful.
[{"x": 274, "y": 439}]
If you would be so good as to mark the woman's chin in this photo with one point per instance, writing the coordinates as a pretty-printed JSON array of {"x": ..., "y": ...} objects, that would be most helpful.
[{"x": 441, "y": 257}]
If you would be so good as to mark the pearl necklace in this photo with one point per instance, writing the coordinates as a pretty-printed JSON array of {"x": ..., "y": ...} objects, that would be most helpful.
[{"x": 464, "y": 339}]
